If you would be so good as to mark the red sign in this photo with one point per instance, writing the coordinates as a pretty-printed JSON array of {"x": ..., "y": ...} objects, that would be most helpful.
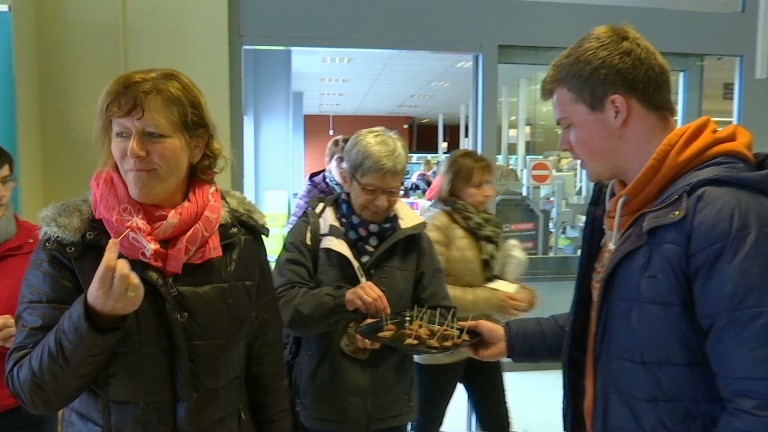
[
  {"x": 541, "y": 172},
  {"x": 521, "y": 226}
]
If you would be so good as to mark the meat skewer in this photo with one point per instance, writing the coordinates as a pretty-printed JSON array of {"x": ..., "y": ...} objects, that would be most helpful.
[{"x": 434, "y": 342}]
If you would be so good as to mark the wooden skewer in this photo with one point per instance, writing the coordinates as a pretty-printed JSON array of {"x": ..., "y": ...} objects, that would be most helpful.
[
  {"x": 416, "y": 319},
  {"x": 466, "y": 328},
  {"x": 123, "y": 235},
  {"x": 439, "y": 332},
  {"x": 421, "y": 315}
]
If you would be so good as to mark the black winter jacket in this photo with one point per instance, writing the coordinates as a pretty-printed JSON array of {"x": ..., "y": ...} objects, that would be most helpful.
[
  {"x": 201, "y": 353},
  {"x": 334, "y": 390}
]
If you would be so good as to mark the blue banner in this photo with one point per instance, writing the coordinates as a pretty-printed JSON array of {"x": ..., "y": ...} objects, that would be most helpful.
[{"x": 8, "y": 128}]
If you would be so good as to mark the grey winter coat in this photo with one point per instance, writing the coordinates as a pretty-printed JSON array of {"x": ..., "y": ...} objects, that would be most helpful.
[
  {"x": 201, "y": 353},
  {"x": 334, "y": 390}
]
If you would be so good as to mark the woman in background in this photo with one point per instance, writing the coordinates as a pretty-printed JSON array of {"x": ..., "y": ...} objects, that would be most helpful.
[
  {"x": 373, "y": 259},
  {"x": 420, "y": 180},
  {"x": 323, "y": 183},
  {"x": 18, "y": 239},
  {"x": 468, "y": 240},
  {"x": 149, "y": 304}
]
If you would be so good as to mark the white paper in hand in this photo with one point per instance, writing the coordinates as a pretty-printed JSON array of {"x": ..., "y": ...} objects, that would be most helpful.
[{"x": 502, "y": 285}]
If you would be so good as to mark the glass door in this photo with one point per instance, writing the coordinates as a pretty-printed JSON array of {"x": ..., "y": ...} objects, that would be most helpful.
[{"x": 553, "y": 197}]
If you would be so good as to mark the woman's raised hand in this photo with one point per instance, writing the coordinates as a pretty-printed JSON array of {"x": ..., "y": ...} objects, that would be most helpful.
[
  {"x": 364, "y": 343},
  {"x": 521, "y": 300},
  {"x": 368, "y": 298},
  {"x": 116, "y": 290}
]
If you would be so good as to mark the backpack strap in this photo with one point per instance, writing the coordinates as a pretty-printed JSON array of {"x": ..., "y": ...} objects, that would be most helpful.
[
  {"x": 314, "y": 233},
  {"x": 291, "y": 341}
]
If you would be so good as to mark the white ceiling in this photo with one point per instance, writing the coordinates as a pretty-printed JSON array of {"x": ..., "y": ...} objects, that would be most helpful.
[
  {"x": 423, "y": 84},
  {"x": 383, "y": 82},
  {"x": 406, "y": 83}
]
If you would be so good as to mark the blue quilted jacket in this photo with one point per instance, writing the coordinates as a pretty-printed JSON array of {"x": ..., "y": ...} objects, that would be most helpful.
[{"x": 682, "y": 342}]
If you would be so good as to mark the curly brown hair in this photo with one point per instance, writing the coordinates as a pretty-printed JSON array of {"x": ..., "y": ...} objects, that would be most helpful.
[
  {"x": 185, "y": 106},
  {"x": 612, "y": 60}
]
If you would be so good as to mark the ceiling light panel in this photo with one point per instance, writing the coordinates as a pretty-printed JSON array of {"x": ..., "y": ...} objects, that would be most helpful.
[
  {"x": 336, "y": 60},
  {"x": 334, "y": 80}
]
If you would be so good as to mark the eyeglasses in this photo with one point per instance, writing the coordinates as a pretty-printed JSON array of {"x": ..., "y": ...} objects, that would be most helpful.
[
  {"x": 373, "y": 193},
  {"x": 8, "y": 182}
]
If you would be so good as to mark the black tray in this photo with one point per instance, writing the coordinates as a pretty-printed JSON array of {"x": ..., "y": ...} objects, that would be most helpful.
[{"x": 372, "y": 329}]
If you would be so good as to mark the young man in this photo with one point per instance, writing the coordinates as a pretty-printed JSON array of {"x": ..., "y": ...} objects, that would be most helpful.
[
  {"x": 668, "y": 329},
  {"x": 18, "y": 239}
]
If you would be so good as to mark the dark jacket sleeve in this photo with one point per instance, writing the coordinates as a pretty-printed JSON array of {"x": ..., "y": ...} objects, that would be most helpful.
[
  {"x": 268, "y": 388},
  {"x": 56, "y": 353},
  {"x": 534, "y": 340},
  {"x": 305, "y": 307}
]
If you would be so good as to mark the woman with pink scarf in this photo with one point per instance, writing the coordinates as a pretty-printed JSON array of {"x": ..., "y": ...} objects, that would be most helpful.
[{"x": 149, "y": 304}]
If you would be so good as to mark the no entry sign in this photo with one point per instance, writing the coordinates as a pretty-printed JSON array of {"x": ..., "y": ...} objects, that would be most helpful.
[{"x": 540, "y": 171}]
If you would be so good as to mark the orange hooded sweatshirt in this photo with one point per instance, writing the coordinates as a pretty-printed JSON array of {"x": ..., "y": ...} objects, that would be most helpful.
[{"x": 681, "y": 151}]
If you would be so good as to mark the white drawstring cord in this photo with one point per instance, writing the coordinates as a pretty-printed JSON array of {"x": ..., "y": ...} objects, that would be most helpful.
[{"x": 617, "y": 219}]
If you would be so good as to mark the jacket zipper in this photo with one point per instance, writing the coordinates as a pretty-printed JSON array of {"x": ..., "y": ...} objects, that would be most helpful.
[{"x": 172, "y": 286}]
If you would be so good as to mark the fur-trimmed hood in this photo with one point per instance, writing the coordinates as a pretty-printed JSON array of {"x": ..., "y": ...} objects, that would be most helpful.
[{"x": 67, "y": 221}]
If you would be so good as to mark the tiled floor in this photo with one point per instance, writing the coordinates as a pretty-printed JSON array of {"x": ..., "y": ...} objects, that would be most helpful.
[{"x": 534, "y": 399}]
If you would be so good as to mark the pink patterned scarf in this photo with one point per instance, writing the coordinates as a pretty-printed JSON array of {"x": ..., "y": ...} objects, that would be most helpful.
[{"x": 190, "y": 231}]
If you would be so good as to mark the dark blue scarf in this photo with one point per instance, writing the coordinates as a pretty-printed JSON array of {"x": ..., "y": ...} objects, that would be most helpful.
[{"x": 364, "y": 237}]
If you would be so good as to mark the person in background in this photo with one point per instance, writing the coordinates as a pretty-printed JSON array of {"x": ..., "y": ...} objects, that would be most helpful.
[
  {"x": 323, "y": 183},
  {"x": 427, "y": 166},
  {"x": 437, "y": 182},
  {"x": 432, "y": 173},
  {"x": 507, "y": 180},
  {"x": 468, "y": 240},
  {"x": 374, "y": 258},
  {"x": 18, "y": 239},
  {"x": 420, "y": 180},
  {"x": 668, "y": 330},
  {"x": 149, "y": 304}
]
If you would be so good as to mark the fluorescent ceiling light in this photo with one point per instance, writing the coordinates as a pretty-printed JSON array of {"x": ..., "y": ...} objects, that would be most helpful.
[
  {"x": 334, "y": 80},
  {"x": 336, "y": 60}
]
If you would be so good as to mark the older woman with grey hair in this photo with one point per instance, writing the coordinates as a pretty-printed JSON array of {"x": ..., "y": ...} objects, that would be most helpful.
[{"x": 369, "y": 256}]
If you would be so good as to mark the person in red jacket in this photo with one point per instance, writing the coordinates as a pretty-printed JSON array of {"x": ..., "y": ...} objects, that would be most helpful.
[{"x": 18, "y": 239}]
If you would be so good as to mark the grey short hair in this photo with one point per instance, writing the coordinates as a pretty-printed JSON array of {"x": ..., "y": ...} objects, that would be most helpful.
[{"x": 376, "y": 150}]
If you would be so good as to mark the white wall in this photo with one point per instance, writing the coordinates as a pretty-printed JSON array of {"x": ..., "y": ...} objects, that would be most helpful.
[
  {"x": 68, "y": 51},
  {"x": 460, "y": 25}
]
